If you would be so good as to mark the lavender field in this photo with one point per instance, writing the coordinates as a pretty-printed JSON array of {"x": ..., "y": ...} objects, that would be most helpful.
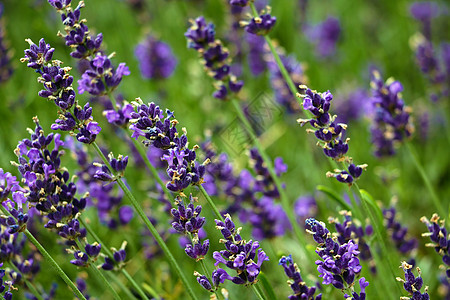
[{"x": 224, "y": 149}]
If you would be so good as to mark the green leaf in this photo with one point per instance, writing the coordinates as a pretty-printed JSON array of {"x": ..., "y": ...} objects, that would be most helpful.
[
  {"x": 333, "y": 196},
  {"x": 267, "y": 286}
]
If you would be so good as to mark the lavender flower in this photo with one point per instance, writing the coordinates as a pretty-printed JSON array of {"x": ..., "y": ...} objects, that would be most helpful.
[
  {"x": 325, "y": 35},
  {"x": 391, "y": 123},
  {"x": 239, "y": 256},
  {"x": 256, "y": 54},
  {"x": 77, "y": 33},
  {"x": 201, "y": 37},
  {"x": 241, "y": 3},
  {"x": 261, "y": 25},
  {"x": 161, "y": 132},
  {"x": 50, "y": 190},
  {"x": 351, "y": 108},
  {"x": 424, "y": 12},
  {"x": 116, "y": 262},
  {"x": 283, "y": 94},
  {"x": 156, "y": 59},
  {"x": 301, "y": 290},
  {"x": 187, "y": 221},
  {"x": 349, "y": 229},
  {"x": 5, "y": 56},
  {"x": 362, "y": 294},
  {"x": 101, "y": 78},
  {"x": 118, "y": 168},
  {"x": 440, "y": 239},
  {"x": 413, "y": 284},
  {"x": 339, "y": 264},
  {"x": 398, "y": 232},
  {"x": 58, "y": 87}
]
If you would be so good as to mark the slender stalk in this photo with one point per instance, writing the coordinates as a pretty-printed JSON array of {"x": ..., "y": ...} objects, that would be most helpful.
[
  {"x": 277, "y": 58},
  {"x": 211, "y": 203},
  {"x": 29, "y": 284},
  {"x": 378, "y": 233},
  {"x": 426, "y": 180},
  {"x": 110, "y": 254},
  {"x": 257, "y": 292},
  {"x": 284, "y": 199},
  {"x": 49, "y": 258},
  {"x": 99, "y": 273},
  {"x": 151, "y": 291},
  {"x": 122, "y": 286},
  {"x": 205, "y": 270},
  {"x": 140, "y": 148},
  {"x": 150, "y": 226}
]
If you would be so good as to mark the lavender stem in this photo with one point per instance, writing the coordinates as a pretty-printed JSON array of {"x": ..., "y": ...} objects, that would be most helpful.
[
  {"x": 49, "y": 258},
  {"x": 149, "y": 225}
]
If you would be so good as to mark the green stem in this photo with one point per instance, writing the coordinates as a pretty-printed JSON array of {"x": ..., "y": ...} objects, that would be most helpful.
[
  {"x": 122, "y": 286},
  {"x": 54, "y": 264},
  {"x": 48, "y": 257},
  {"x": 205, "y": 270},
  {"x": 378, "y": 234},
  {"x": 142, "y": 152},
  {"x": 150, "y": 226},
  {"x": 110, "y": 254},
  {"x": 211, "y": 203},
  {"x": 257, "y": 292},
  {"x": 98, "y": 272},
  {"x": 284, "y": 199},
  {"x": 29, "y": 284},
  {"x": 426, "y": 180},
  {"x": 151, "y": 291},
  {"x": 277, "y": 58}
]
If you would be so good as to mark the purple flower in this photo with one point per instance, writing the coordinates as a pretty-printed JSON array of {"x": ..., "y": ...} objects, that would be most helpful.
[
  {"x": 241, "y": 3},
  {"x": 200, "y": 37},
  {"x": 413, "y": 284},
  {"x": 101, "y": 72},
  {"x": 256, "y": 54},
  {"x": 200, "y": 34},
  {"x": 398, "y": 232},
  {"x": 77, "y": 33},
  {"x": 156, "y": 59},
  {"x": 283, "y": 94},
  {"x": 298, "y": 286},
  {"x": 440, "y": 239},
  {"x": 261, "y": 25},
  {"x": 37, "y": 56},
  {"x": 325, "y": 36},
  {"x": 339, "y": 262},
  {"x": 391, "y": 123},
  {"x": 239, "y": 255}
]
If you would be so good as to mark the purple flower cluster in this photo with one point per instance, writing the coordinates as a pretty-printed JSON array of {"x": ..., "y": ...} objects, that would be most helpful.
[
  {"x": 5, "y": 284},
  {"x": 239, "y": 256},
  {"x": 116, "y": 262},
  {"x": 5, "y": 57},
  {"x": 121, "y": 116},
  {"x": 350, "y": 230},
  {"x": 186, "y": 220},
  {"x": 325, "y": 36},
  {"x": 301, "y": 290},
  {"x": 283, "y": 94},
  {"x": 413, "y": 284},
  {"x": 391, "y": 122},
  {"x": 440, "y": 239},
  {"x": 329, "y": 133},
  {"x": 353, "y": 107},
  {"x": 339, "y": 264},
  {"x": 256, "y": 53},
  {"x": 436, "y": 69},
  {"x": 118, "y": 166},
  {"x": 201, "y": 37},
  {"x": 101, "y": 78},
  {"x": 161, "y": 132},
  {"x": 261, "y": 25},
  {"x": 252, "y": 197},
  {"x": 77, "y": 32},
  {"x": 156, "y": 59},
  {"x": 57, "y": 85},
  {"x": 50, "y": 190},
  {"x": 398, "y": 232}
]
